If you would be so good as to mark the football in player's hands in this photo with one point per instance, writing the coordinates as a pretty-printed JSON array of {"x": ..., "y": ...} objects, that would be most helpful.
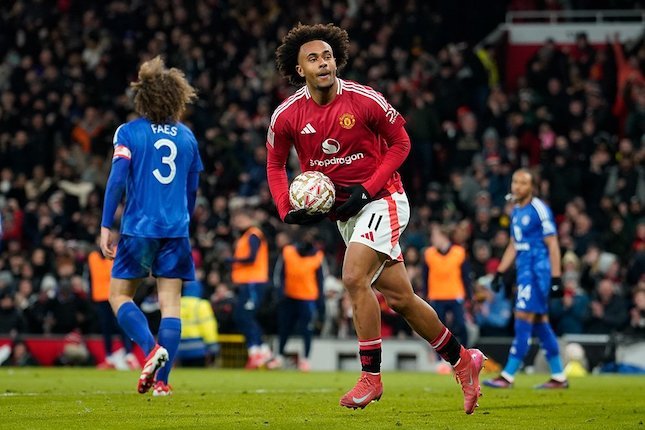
[{"x": 312, "y": 191}]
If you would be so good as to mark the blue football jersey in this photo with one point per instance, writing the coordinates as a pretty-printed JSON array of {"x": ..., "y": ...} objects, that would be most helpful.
[
  {"x": 161, "y": 157},
  {"x": 530, "y": 224}
]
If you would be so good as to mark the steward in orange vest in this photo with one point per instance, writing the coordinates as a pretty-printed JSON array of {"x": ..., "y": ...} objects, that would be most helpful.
[
  {"x": 250, "y": 276},
  {"x": 299, "y": 274},
  {"x": 447, "y": 280}
]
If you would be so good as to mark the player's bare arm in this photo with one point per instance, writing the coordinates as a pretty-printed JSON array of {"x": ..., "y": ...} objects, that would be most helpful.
[
  {"x": 508, "y": 257},
  {"x": 554, "y": 254}
]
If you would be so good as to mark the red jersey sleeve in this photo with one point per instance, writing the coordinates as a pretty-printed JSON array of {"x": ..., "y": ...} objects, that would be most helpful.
[
  {"x": 278, "y": 146},
  {"x": 388, "y": 124}
]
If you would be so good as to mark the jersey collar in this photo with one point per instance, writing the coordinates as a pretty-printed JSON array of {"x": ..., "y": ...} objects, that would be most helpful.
[{"x": 339, "y": 88}]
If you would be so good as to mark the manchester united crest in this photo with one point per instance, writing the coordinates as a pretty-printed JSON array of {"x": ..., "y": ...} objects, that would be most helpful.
[{"x": 347, "y": 120}]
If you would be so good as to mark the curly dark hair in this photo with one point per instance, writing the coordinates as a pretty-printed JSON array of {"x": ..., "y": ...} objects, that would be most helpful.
[
  {"x": 161, "y": 94},
  {"x": 287, "y": 54}
]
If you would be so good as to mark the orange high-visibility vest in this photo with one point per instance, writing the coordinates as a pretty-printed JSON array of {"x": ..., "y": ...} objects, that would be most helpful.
[
  {"x": 256, "y": 271},
  {"x": 300, "y": 281},
  {"x": 444, "y": 274},
  {"x": 100, "y": 275}
]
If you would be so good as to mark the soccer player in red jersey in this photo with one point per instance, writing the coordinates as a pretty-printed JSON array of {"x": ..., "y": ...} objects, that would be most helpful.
[{"x": 350, "y": 133}]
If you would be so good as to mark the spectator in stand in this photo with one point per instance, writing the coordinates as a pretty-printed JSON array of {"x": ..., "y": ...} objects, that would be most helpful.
[
  {"x": 481, "y": 258},
  {"x": 571, "y": 314},
  {"x": 67, "y": 311},
  {"x": 414, "y": 268},
  {"x": 492, "y": 311},
  {"x": 609, "y": 312},
  {"x": 254, "y": 174},
  {"x": 628, "y": 75},
  {"x": 465, "y": 143},
  {"x": 20, "y": 355},
  {"x": 638, "y": 245},
  {"x": 635, "y": 122},
  {"x": 484, "y": 227},
  {"x": 223, "y": 303},
  {"x": 583, "y": 234},
  {"x": 465, "y": 189},
  {"x": 75, "y": 351},
  {"x": 12, "y": 221},
  {"x": 617, "y": 239},
  {"x": 11, "y": 322},
  {"x": 333, "y": 290},
  {"x": 637, "y": 312},
  {"x": 499, "y": 244}
]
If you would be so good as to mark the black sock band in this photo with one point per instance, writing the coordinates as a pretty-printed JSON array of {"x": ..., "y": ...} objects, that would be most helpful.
[
  {"x": 370, "y": 352},
  {"x": 371, "y": 360},
  {"x": 447, "y": 346}
]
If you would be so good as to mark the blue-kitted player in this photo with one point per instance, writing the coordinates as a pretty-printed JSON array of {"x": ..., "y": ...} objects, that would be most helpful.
[
  {"x": 156, "y": 162},
  {"x": 534, "y": 247}
]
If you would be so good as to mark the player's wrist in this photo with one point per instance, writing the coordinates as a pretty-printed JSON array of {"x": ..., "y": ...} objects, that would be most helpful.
[
  {"x": 357, "y": 198},
  {"x": 301, "y": 217},
  {"x": 369, "y": 189}
]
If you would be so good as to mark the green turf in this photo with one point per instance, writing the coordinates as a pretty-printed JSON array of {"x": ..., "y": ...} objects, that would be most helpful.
[{"x": 228, "y": 399}]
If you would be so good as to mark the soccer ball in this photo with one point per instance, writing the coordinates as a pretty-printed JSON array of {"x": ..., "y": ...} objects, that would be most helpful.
[{"x": 312, "y": 191}]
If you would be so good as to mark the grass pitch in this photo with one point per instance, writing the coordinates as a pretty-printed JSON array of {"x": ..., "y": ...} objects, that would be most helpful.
[{"x": 46, "y": 398}]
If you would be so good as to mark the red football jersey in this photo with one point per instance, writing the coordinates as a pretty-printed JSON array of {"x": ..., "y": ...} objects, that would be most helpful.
[{"x": 347, "y": 140}]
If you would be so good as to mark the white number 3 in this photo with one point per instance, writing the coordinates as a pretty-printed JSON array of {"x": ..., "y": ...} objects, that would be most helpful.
[{"x": 169, "y": 160}]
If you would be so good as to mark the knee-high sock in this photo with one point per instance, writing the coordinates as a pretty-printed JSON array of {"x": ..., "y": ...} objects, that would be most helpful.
[
  {"x": 169, "y": 337},
  {"x": 519, "y": 348},
  {"x": 549, "y": 342},
  {"x": 135, "y": 325}
]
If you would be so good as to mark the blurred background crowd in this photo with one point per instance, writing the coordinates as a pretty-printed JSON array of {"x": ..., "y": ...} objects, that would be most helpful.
[{"x": 577, "y": 116}]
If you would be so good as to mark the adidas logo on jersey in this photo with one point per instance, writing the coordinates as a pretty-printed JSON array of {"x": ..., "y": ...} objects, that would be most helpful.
[
  {"x": 308, "y": 129},
  {"x": 369, "y": 236}
]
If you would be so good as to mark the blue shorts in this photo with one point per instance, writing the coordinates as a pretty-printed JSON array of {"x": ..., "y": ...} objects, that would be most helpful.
[
  {"x": 533, "y": 291},
  {"x": 138, "y": 257}
]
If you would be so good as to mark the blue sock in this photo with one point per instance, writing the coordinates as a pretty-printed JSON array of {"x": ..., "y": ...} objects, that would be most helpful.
[
  {"x": 135, "y": 326},
  {"x": 169, "y": 337},
  {"x": 550, "y": 345},
  {"x": 519, "y": 348}
]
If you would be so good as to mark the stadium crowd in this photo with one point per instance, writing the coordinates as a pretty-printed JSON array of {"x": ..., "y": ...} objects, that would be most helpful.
[{"x": 577, "y": 117}]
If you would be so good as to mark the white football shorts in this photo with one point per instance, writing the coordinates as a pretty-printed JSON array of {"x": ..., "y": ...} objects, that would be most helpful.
[{"x": 379, "y": 225}]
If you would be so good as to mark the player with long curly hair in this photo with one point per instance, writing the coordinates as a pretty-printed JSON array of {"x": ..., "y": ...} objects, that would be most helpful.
[
  {"x": 353, "y": 135},
  {"x": 156, "y": 161}
]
